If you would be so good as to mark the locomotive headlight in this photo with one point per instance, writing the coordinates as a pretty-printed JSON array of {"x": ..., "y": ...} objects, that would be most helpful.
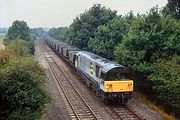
[
  {"x": 107, "y": 86},
  {"x": 130, "y": 85}
]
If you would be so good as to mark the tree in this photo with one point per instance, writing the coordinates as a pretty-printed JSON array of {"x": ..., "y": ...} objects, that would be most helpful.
[
  {"x": 173, "y": 7},
  {"x": 19, "y": 29},
  {"x": 150, "y": 37},
  {"x": 20, "y": 47},
  {"x": 83, "y": 27},
  {"x": 108, "y": 36}
]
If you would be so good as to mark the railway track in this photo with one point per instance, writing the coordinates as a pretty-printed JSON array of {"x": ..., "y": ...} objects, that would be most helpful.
[
  {"x": 124, "y": 113},
  {"x": 76, "y": 105}
]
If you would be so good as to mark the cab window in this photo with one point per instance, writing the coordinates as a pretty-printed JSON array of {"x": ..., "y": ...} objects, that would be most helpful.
[{"x": 115, "y": 76}]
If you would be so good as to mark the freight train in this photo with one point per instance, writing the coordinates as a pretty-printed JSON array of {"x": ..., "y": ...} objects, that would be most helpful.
[{"x": 105, "y": 77}]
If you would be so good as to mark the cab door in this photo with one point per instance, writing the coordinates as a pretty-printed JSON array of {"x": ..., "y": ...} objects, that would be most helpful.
[
  {"x": 102, "y": 77},
  {"x": 77, "y": 60}
]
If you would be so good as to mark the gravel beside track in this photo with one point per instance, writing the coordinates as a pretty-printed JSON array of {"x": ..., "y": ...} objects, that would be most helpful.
[
  {"x": 56, "y": 109},
  {"x": 143, "y": 110}
]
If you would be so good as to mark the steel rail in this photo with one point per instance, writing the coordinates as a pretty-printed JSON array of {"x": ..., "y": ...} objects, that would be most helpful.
[{"x": 56, "y": 78}]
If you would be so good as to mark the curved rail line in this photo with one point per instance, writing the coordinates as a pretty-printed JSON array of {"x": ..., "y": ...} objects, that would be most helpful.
[{"x": 80, "y": 109}]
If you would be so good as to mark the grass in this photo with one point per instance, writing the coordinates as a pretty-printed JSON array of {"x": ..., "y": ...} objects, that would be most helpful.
[{"x": 153, "y": 106}]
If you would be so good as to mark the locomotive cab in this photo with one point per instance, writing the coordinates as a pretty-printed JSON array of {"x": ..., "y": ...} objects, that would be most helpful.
[
  {"x": 115, "y": 80},
  {"x": 115, "y": 84}
]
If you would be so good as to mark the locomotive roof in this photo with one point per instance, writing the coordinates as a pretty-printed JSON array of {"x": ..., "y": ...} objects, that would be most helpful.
[
  {"x": 103, "y": 62},
  {"x": 74, "y": 51}
]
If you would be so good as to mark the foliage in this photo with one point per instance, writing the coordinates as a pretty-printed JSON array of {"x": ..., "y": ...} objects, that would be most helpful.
[
  {"x": 83, "y": 27},
  {"x": 109, "y": 35},
  {"x": 59, "y": 33},
  {"x": 166, "y": 81},
  {"x": 173, "y": 8},
  {"x": 22, "y": 85},
  {"x": 5, "y": 57},
  {"x": 21, "y": 79},
  {"x": 24, "y": 114},
  {"x": 150, "y": 37},
  {"x": 37, "y": 31},
  {"x": 19, "y": 29},
  {"x": 20, "y": 47}
]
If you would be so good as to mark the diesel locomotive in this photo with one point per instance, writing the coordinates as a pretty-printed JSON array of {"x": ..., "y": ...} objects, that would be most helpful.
[{"x": 107, "y": 78}]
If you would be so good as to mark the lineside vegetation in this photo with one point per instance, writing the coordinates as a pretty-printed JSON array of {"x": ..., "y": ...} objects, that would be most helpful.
[{"x": 22, "y": 80}]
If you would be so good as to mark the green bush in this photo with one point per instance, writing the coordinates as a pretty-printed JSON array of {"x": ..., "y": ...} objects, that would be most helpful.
[
  {"x": 166, "y": 81},
  {"x": 22, "y": 85},
  {"x": 20, "y": 47},
  {"x": 24, "y": 114}
]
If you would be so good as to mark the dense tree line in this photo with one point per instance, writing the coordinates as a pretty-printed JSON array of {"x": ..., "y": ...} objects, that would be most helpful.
[
  {"x": 147, "y": 43},
  {"x": 37, "y": 32},
  {"x": 22, "y": 80},
  {"x": 59, "y": 33}
]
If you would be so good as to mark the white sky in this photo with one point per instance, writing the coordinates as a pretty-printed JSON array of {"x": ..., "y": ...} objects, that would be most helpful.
[{"x": 56, "y": 13}]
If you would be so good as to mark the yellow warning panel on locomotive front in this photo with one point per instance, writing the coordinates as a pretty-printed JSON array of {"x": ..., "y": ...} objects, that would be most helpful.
[{"x": 119, "y": 86}]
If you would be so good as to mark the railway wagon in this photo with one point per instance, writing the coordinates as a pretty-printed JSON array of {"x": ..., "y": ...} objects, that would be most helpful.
[
  {"x": 58, "y": 44},
  {"x": 72, "y": 56},
  {"x": 67, "y": 49},
  {"x": 61, "y": 46},
  {"x": 104, "y": 76}
]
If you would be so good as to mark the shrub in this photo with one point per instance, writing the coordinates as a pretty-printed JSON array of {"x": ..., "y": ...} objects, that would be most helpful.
[
  {"x": 22, "y": 85},
  {"x": 166, "y": 81}
]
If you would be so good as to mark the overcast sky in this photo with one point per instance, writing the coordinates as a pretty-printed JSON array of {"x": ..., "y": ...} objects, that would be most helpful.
[{"x": 55, "y": 13}]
